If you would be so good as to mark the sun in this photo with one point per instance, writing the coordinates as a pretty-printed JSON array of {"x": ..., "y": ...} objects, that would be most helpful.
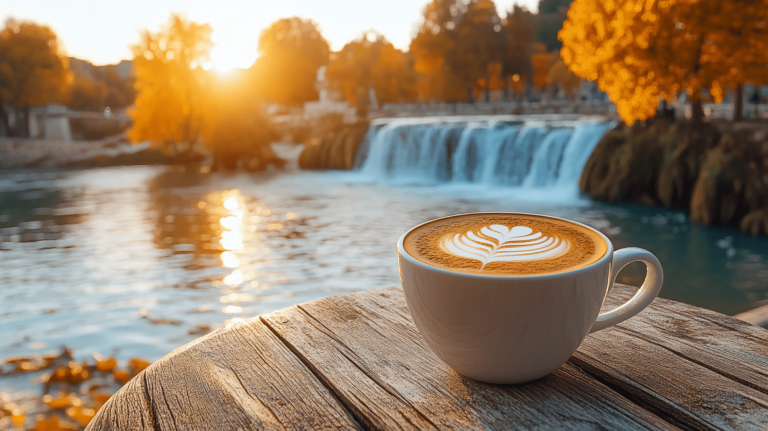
[{"x": 230, "y": 53}]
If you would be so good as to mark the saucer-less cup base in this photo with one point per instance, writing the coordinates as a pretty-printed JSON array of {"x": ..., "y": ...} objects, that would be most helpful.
[{"x": 516, "y": 329}]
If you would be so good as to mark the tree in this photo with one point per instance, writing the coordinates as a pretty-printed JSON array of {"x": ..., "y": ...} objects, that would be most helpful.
[
  {"x": 542, "y": 62},
  {"x": 479, "y": 44},
  {"x": 171, "y": 84},
  {"x": 237, "y": 130},
  {"x": 371, "y": 62},
  {"x": 434, "y": 42},
  {"x": 549, "y": 21},
  {"x": 640, "y": 51},
  {"x": 291, "y": 50},
  {"x": 565, "y": 80},
  {"x": 521, "y": 34},
  {"x": 33, "y": 70},
  {"x": 86, "y": 94},
  {"x": 120, "y": 92}
]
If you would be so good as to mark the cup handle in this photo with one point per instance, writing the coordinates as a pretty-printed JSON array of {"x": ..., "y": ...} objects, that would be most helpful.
[{"x": 643, "y": 298}]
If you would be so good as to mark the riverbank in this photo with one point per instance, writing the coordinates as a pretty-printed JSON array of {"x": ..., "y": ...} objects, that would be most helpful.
[
  {"x": 718, "y": 171},
  {"x": 18, "y": 153}
]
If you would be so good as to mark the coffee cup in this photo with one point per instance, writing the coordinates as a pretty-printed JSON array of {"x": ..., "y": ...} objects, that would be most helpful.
[{"x": 509, "y": 297}]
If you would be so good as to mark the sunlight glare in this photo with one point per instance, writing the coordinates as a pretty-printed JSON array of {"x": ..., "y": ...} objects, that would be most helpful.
[
  {"x": 230, "y": 259},
  {"x": 234, "y": 279},
  {"x": 228, "y": 52}
]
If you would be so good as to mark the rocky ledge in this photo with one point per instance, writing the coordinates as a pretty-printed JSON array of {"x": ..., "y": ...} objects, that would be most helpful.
[
  {"x": 336, "y": 150},
  {"x": 718, "y": 171}
]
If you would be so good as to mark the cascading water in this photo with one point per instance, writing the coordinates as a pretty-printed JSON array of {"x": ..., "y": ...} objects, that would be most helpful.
[{"x": 494, "y": 151}]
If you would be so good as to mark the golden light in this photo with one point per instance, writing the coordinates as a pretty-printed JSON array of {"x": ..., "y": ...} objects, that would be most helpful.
[
  {"x": 230, "y": 259},
  {"x": 229, "y": 52},
  {"x": 232, "y": 309},
  {"x": 231, "y": 203},
  {"x": 234, "y": 279}
]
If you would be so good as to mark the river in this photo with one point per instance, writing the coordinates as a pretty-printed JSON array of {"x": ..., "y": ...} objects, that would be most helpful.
[{"x": 136, "y": 261}]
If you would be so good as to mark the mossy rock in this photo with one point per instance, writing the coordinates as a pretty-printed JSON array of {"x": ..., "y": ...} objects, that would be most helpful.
[
  {"x": 654, "y": 164},
  {"x": 337, "y": 150},
  {"x": 732, "y": 186},
  {"x": 623, "y": 167}
]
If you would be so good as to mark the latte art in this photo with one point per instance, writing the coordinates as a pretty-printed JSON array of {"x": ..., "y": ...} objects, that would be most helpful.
[
  {"x": 498, "y": 243},
  {"x": 504, "y": 244}
]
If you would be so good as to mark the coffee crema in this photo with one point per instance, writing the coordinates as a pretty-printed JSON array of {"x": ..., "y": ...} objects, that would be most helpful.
[{"x": 505, "y": 244}]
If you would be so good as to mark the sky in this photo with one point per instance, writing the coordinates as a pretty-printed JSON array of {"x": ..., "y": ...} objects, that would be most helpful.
[{"x": 101, "y": 31}]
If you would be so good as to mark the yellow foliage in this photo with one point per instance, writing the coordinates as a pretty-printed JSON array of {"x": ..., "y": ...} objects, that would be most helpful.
[
  {"x": 639, "y": 50},
  {"x": 291, "y": 50},
  {"x": 564, "y": 78},
  {"x": 171, "y": 80},
  {"x": 33, "y": 67},
  {"x": 371, "y": 61}
]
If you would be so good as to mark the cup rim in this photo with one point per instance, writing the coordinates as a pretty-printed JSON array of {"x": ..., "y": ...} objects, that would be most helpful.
[{"x": 607, "y": 256}]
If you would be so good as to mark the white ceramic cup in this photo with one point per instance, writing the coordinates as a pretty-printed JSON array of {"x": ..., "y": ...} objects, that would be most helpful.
[{"x": 514, "y": 329}]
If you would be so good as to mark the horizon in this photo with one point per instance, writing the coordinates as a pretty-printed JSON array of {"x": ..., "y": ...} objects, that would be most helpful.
[{"x": 235, "y": 34}]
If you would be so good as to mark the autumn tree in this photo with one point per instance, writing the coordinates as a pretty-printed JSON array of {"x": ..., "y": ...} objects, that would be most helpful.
[
  {"x": 372, "y": 62},
  {"x": 541, "y": 62},
  {"x": 290, "y": 52},
  {"x": 520, "y": 36},
  {"x": 86, "y": 94},
  {"x": 171, "y": 84},
  {"x": 479, "y": 44},
  {"x": 640, "y": 51},
  {"x": 435, "y": 41},
  {"x": 33, "y": 70},
  {"x": 237, "y": 131},
  {"x": 549, "y": 21},
  {"x": 563, "y": 78}
]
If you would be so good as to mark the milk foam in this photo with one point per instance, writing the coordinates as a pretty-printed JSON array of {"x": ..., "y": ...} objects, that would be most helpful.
[{"x": 498, "y": 243}]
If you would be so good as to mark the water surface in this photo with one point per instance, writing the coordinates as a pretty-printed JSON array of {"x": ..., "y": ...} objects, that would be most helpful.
[{"x": 137, "y": 261}]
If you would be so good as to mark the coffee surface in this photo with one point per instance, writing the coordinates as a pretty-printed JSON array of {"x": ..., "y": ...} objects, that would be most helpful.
[{"x": 505, "y": 244}]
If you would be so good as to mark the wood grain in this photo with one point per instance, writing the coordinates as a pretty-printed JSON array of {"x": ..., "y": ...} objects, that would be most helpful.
[
  {"x": 238, "y": 378},
  {"x": 693, "y": 367},
  {"x": 365, "y": 348}
]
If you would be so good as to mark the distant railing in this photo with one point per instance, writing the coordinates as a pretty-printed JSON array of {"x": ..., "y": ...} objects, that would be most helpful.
[{"x": 494, "y": 108}]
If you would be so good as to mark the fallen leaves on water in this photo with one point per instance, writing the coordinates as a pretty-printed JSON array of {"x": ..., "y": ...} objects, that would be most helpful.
[
  {"x": 63, "y": 392},
  {"x": 106, "y": 365},
  {"x": 121, "y": 376},
  {"x": 82, "y": 415},
  {"x": 60, "y": 403},
  {"x": 53, "y": 423}
]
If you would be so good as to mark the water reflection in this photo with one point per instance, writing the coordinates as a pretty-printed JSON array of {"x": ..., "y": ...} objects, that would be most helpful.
[{"x": 134, "y": 262}]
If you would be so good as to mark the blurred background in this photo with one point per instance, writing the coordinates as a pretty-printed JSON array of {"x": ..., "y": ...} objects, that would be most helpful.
[{"x": 170, "y": 168}]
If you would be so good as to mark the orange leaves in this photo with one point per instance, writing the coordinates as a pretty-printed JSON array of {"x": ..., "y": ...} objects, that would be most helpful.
[
  {"x": 682, "y": 45},
  {"x": 70, "y": 406},
  {"x": 53, "y": 423},
  {"x": 137, "y": 365},
  {"x": 121, "y": 376},
  {"x": 106, "y": 365},
  {"x": 61, "y": 402}
]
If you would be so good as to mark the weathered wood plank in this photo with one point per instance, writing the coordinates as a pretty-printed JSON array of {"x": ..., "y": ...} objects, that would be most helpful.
[
  {"x": 239, "y": 378},
  {"x": 128, "y": 409},
  {"x": 365, "y": 348},
  {"x": 725, "y": 345},
  {"x": 675, "y": 360}
]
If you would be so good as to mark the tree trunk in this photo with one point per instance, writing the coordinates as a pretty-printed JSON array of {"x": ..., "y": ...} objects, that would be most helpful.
[
  {"x": 487, "y": 89},
  {"x": 738, "y": 104},
  {"x": 24, "y": 123},
  {"x": 697, "y": 110},
  {"x": 470, "y": 98},
  {"x": 4, "y": 120}
]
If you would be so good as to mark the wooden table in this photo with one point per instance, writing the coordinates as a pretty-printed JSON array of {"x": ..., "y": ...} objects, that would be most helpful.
[{"x": 358, "y": 362}]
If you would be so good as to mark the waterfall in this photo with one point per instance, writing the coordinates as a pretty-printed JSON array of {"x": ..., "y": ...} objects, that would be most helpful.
[{"x": 494, "y": 151}]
